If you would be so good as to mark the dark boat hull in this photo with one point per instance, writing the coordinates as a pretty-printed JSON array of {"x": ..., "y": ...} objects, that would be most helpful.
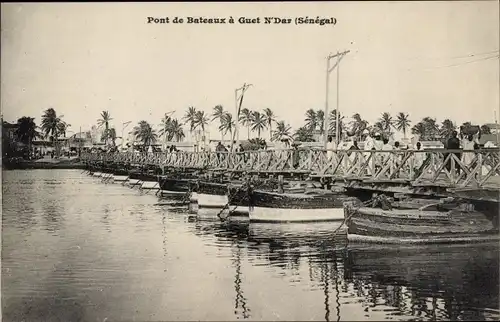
[
  {"x": 143, "y": 176},
  {"x": 212, "y": 188},
  {"x": 418, "y": 227},
  {"x": 175, "y": 185},
  {"x": 120, "y": 172}
]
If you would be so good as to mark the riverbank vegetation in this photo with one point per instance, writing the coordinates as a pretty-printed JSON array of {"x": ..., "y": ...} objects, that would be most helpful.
[{"x": 253, "y": 122}]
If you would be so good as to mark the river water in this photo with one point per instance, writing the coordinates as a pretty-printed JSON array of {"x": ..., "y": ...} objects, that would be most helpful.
[{"x": 76, "y": 249}]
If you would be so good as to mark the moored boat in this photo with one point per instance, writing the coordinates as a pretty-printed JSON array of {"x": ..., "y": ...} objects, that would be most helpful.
[
  {"x": 294, "y": 204},
  {"x": 312, "y": 206},
  {"x": 120, "y": 175},
  {"x": 462, "y": 224},
  {"x": 137, "y": 178},
  {"x": 212, "y": 201},
  {"x": 120, "y": 178},
  {"x": 175, "y": 188}
]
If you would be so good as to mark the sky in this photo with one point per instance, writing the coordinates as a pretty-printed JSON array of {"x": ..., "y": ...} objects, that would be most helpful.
[{"x": 413, "y": 57}]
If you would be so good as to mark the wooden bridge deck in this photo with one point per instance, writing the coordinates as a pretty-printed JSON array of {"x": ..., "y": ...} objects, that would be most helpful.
[{"x": 448, "y": 169}]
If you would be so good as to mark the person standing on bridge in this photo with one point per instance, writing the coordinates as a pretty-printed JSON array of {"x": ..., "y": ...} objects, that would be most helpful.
[
  {"x": 468, "y": 145},
  {"x": 219, "y": 149},
  {"x": 453, "y": 143},
  {"x": 418, "y": 157},
  {"x": 330, "y": 146},
  {"x": 353, "y": 156},
  {"x": 378, "y": 145},
  {"x": 369, "y": 145}
]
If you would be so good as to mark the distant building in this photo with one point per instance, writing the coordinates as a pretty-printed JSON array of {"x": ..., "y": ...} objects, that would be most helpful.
[
  {"x": 9, "y": 130},
  {"x": 10, "y": 143},
  {"x": 80, "y": 140},
  {"x": 95, "y": 135}
]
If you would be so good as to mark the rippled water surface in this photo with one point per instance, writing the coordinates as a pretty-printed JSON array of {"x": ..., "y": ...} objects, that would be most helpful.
[{"x": 76, "y": 249}]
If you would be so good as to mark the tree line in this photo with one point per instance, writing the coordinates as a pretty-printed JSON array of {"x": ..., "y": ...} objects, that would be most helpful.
[{"x": 256, "y": 122}]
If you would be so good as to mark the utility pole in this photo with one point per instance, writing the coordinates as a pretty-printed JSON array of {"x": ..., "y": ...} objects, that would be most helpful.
[
  {"x": 497, "y": 132},
  {"x": 238, "y": 101},
  {"x": 326, "y": 121}
]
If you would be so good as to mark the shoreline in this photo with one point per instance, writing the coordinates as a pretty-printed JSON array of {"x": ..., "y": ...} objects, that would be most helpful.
[{"x": 32, "y": 165}]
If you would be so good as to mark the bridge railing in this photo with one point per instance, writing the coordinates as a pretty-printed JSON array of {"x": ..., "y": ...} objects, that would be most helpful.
[{"x": 450, "y": 168}]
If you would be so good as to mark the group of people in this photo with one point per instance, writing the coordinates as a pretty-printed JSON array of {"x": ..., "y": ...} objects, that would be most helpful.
[{"x": 466, "y": 142}]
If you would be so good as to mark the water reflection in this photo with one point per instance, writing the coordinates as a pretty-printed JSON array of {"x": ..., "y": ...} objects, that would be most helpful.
[
  {"x": 52, "y": 216},
  {"x": 105, "y": 217},
  {"x": 241, "y": 309},
  {"x": 424, "y": 282},
  {"x": 75, "y": 249}
]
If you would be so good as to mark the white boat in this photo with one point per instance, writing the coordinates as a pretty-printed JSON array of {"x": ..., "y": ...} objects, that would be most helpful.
[
  {"x": 207, "y": 201},
  {"x": 270, "y": 215},
  {"x": 313, "y": 206},
  {"x": 119, "y": 178},
  {"x": 213, "y": 202}
]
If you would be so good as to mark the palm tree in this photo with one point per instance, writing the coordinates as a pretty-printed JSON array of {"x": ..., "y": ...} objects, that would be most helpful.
[
  {"x": 190, "y": 118},
  {"x": 246, "y": 117},
  {"x": 320, "y": 121},
  {"x": 447, "y": 127},
  {"x": 311, "y": 120},
  {"x": 62, "y": 127},
  {"x": 26, "y": 130},
  {"x": 201, "y": 120},
  {"x": 51, "y": 125},
  {"x": 111, "y": 135},
  {"x": 387, "y": 122},
  {"x": 403, "y": 123},
  {"x": 359, "y": 124},
  {"x": 104, "y": 120},
  {"x": 217, "y": 115},
  {"x": 170, "y": 129},
  {"x": 176, "y": 132},
  {"x": 227, "y": 124},
  {"x": 378, "y": 127},
  {"x": 419, "y": 129},
  {"x": 269, "y": 118},
  {"x": 258, "y": 123},
  {"x": 144, "y": 133},
  {"x": 303, "y": 134},
  {"x": 165, "y": 126},
  {"x": 282, "y": 131},
  {"x": 431, "y": 128}
]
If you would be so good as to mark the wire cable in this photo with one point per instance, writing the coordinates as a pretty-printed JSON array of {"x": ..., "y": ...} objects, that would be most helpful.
[{"x": 464, "y": 63}]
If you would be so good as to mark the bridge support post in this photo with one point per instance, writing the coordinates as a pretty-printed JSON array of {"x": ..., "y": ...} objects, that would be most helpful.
[{"x": 281, "y": 184}]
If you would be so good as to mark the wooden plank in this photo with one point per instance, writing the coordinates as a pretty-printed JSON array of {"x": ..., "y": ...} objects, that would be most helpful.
[{"x": 397, "y": 181}]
